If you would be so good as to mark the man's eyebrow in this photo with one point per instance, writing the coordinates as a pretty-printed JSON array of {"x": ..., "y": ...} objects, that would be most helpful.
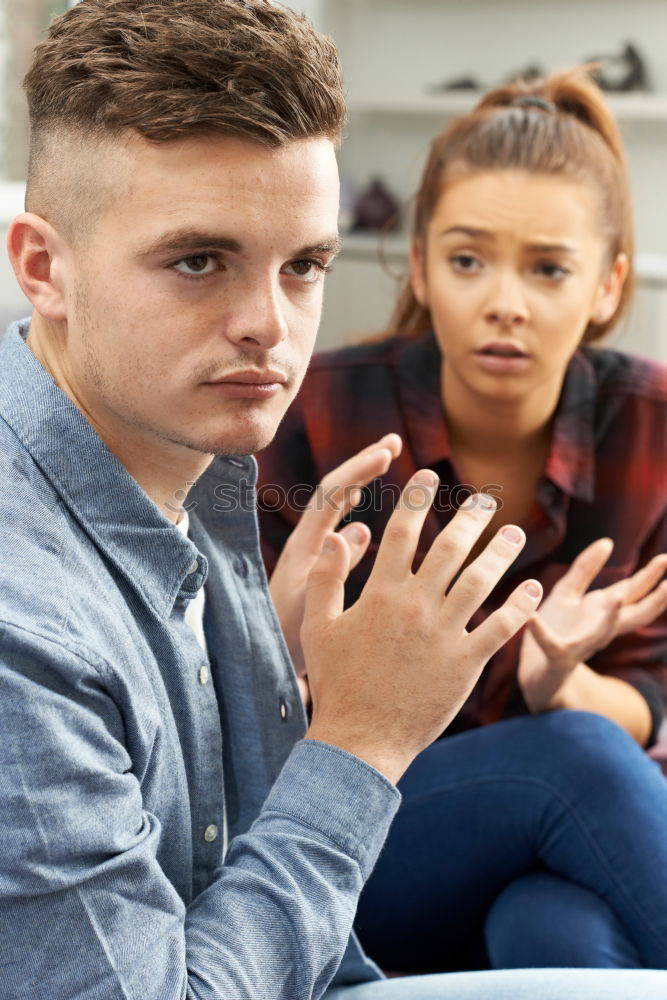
[
  {"x": 191, "y": 240},
  {"x": 333, "y": 245},
  {"x": 538, "y": 247},
  {"x": 184, "y": 240}
]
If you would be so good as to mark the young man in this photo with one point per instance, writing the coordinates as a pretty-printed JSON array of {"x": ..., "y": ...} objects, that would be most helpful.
[{"x": 167, "y": 831}]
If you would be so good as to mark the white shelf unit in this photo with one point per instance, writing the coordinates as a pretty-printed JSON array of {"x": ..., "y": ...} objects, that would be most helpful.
[
  {"x": 393, "y": 51},
  {"x": 633, "y": 107}
]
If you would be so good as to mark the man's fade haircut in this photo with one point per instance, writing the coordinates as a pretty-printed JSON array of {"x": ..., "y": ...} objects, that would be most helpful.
[{"x": 168, "y": 70}]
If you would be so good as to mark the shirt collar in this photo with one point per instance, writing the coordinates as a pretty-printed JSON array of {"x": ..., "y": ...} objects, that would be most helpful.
[
  {"x": 95, "y": 487},
  {"x": 571, "y": 462}
]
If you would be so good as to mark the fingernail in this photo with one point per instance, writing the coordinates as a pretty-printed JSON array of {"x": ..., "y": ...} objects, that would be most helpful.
[
  {"x": 425, "y": 478},
  {"x": 329, "y": 544},
  {"x": 512, "y": 534},
  {"x": 355, "y": 534},
  {"x": 487, "y": 502},
  {"x": 533, "y": 589}
]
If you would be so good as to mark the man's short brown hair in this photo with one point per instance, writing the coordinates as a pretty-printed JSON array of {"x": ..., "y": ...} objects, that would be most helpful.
[{"x": 174, "y": 69}]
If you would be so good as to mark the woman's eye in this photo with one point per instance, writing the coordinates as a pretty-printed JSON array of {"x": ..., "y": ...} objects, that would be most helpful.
[
  {"x": 308, "y": 269},
  {"x": 554, "y": 271},
  {"x": 197, "y": 265},
  {"x": 465, "y": 263}
]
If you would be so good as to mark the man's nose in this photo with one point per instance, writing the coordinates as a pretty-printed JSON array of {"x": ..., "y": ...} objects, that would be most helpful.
[{"x": 258, "y": 318}]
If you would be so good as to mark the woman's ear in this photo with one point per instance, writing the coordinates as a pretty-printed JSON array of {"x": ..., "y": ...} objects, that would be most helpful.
[
  {"x": 609, "y": 291},
  {"x": 418, "y": 271},
  {"x": 35, "y": 250}
]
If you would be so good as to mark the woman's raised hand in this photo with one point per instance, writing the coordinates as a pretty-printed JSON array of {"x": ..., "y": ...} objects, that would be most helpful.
[
  {"x": 574, "y": 622},
  {"x": 336, "y": 495}
]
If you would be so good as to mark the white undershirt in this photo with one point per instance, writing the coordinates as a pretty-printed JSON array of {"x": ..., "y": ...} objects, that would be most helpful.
[{"x": 194, "y": 613}]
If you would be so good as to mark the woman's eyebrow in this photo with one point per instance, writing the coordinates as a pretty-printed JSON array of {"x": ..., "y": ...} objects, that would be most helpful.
[
  {"x": 468, "y": 231},
  {"x": 537, "y": 245}
]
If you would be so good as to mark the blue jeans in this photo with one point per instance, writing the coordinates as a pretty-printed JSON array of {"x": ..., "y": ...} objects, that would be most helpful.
[
  {"x": 535, "y": 842},
  {"x": 522, "y": 984}
]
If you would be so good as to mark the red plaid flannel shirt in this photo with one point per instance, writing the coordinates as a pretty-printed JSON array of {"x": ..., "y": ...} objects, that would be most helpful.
[{"x": 606, "y": 475}]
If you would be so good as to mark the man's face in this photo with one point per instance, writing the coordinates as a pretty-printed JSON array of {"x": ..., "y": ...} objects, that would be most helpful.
[{"x": 193, "y": 304}]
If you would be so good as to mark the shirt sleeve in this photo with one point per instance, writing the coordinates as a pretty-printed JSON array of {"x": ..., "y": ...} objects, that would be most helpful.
[
  {"x": 640, "y": 657},
  {"x": 86, "y": 909}
]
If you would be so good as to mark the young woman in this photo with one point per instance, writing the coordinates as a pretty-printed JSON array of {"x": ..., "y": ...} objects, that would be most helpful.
[{"x": 536, "y": 834}]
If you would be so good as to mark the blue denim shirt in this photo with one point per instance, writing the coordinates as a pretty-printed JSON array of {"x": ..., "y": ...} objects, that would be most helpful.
[{"x": 123, "y": 765}]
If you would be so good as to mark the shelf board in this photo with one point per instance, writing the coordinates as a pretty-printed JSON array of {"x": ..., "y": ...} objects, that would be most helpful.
[{"x": 626, "y": 107}]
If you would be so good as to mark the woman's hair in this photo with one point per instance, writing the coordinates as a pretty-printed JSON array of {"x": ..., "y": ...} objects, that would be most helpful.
[{"x": 559, "y": 125}]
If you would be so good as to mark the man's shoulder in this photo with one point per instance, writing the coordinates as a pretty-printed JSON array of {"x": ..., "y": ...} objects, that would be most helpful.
[{"x": 52, "y": 575}]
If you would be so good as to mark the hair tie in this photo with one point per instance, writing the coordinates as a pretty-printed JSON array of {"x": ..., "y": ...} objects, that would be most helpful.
[{"x": 533, "y": 101}]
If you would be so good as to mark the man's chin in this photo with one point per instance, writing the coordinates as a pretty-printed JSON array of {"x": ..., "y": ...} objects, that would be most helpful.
[{"x": 245, "y": 443}]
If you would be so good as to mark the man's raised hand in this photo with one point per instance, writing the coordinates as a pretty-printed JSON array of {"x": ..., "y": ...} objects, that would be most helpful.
[
  {"x": 389, "y": 674},
  {"x": 332, "y": 500}
]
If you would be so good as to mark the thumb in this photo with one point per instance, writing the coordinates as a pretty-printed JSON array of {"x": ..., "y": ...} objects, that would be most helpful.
[
  {"x": 325, "y": 588},
  {"x": 357, "y": 536},
  {"x": 545, "y": 638}
]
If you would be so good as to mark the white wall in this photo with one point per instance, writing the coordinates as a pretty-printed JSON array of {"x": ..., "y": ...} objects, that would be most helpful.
[{"x": 13, "y": 303}]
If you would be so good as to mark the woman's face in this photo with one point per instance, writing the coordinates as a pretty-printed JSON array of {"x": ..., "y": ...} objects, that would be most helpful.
[{"x": 512, "y": 269}]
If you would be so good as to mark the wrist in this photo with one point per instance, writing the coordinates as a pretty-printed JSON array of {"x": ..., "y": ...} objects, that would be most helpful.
[
  {"x": 571, "y": 691},
  {"x": 388, "y": 762}
]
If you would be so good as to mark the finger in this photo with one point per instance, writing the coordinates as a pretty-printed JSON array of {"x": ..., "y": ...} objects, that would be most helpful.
[
  {"x": 357, "y": 536},
  {"x": 481, "y": 576},
  {"x": 585, "y": 567},
  {"x": 325, "y": 588},
  {"x": 397, "y": 549},
  {"x": 500, "y": 626},
  {"x": 575, "y": 648},
  {"x": 339, "y": 490},
  {"x": 644, "y": 612},
  {"x": 638, "y": 585},
  {"x": 452, "y": 546}
]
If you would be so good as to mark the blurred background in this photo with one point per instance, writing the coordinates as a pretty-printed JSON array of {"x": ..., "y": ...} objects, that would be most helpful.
[
  {"x": 405, "y": 64},
  {"x": 409, "y": 66}
]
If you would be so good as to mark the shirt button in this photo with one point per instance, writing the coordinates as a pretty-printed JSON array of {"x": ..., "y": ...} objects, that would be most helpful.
[
  {"x": 193, "y": 567},
  {"x": 241, "y": 567},
  {"x": 282, "y": 708},
  {"x": 210, "y": 833},
  {"x": 203, "y": 674}
]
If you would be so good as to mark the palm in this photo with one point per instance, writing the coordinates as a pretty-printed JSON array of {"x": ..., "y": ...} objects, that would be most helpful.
[{"x": 574, "y": 623}]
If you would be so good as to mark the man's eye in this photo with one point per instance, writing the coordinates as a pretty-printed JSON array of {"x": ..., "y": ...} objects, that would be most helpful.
[
  {"x": 197, "y": 265},
  {"x": 308, "y": 268}
]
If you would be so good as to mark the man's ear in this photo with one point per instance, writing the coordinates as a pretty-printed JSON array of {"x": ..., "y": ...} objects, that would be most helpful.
[
  {"x": 418, "y": 271},
  {"x": 609, "y": 291},
  {"x": 35, "y": 250}
]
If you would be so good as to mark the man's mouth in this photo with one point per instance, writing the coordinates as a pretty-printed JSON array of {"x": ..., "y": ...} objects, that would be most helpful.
[{"x": 253, "y": 377}]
